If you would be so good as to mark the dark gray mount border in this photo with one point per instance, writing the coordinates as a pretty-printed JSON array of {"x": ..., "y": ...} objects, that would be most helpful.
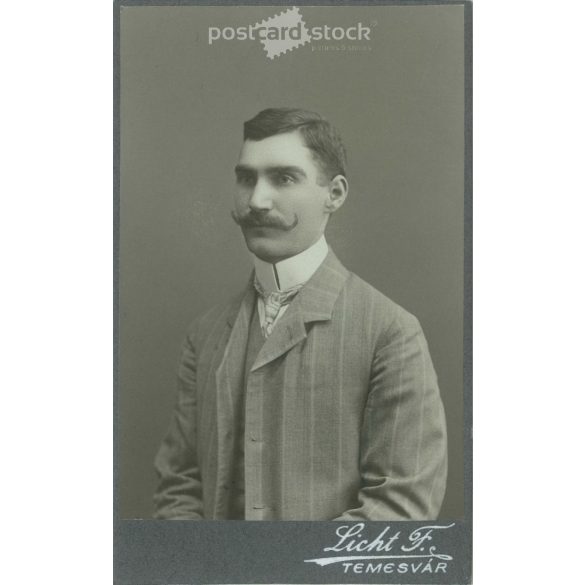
[{"x": 160, "y": 552}]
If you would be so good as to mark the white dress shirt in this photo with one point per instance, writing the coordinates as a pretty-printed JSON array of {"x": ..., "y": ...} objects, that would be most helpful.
[{"x": 291, "y": 272}]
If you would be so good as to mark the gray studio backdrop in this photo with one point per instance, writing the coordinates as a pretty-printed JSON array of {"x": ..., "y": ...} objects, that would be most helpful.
[{"x": 398, "y": 102}]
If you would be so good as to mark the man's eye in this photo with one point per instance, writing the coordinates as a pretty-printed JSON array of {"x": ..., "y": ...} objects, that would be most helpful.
[
  {"x": 285, "y": 180},
  {"x": 245, "y": 179}
]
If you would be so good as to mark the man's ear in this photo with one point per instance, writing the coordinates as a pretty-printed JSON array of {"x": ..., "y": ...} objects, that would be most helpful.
[{"x": 338, "y": 189}]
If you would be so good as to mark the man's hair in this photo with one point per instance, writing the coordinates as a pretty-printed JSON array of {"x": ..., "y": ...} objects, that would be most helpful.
[{"x": 320, "y": 137}]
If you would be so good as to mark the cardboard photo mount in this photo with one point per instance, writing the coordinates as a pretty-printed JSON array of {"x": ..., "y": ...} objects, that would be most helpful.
[{"x": 396, "y": 79}]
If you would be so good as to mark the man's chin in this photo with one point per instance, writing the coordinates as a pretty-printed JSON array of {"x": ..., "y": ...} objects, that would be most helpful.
[{"x": 268, "y": 250}]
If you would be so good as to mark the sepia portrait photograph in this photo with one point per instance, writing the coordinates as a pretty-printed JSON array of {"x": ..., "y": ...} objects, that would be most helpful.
[{"x": 292, "y": 306}]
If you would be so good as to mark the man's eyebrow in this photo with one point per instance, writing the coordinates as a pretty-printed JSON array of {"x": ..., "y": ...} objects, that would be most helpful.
[
  {"x": 287, "y": 169},
  {"x": 273, "y": 169},
  {"x": 244, "y": 169}
]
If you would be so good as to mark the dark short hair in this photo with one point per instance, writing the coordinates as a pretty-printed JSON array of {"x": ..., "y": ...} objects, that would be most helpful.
[{"x": 319, "y": 135}]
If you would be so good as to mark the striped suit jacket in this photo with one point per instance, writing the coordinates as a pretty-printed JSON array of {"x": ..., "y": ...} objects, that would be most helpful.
[{"x": 343, "y": 417}]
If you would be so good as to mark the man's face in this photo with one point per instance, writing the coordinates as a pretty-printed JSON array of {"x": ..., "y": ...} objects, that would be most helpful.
[{"x": 281, "y": 196}]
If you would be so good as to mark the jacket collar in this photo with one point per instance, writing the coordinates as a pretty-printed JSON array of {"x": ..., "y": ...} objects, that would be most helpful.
[
  {"x": 315, "y": 300},
  {"x": 319, "y": 295}
]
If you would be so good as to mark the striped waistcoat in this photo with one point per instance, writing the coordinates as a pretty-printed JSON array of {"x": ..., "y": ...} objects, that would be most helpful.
[{"x": 343, "y": 417}]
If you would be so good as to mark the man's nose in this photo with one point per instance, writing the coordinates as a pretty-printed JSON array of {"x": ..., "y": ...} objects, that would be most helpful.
[{"x": 261, "y": 198}]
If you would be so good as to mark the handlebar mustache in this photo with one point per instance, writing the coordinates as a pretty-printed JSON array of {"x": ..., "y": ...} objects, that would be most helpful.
[{"x": 254, "y": 219}]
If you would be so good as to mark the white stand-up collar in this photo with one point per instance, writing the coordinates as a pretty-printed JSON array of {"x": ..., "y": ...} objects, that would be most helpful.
[{"x": 292, "y": 271}]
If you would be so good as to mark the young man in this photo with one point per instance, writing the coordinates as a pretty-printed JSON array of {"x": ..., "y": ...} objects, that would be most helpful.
[{"x": 311, "y": 396}]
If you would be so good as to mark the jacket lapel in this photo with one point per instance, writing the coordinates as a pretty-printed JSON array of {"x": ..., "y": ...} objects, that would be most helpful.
[
  {"x": 229, "y": 373},
  {"x": 228, "y": 387},
  {"x": 314, "y": 302}
]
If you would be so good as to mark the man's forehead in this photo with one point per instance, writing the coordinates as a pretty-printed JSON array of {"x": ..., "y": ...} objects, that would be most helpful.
[{"x": 276, "y": 151}]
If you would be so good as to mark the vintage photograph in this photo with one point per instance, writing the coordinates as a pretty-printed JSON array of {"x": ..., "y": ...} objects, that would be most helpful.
[
  {"x": 311, "y": 396},
  {"x": 291, "y": 264}
]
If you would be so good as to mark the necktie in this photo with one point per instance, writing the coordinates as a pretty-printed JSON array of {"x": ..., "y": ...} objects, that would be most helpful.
[{"x": 273, "y": 302}]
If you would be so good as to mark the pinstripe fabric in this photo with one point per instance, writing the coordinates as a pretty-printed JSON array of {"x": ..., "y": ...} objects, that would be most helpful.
[{"x": 343, "y": 417}]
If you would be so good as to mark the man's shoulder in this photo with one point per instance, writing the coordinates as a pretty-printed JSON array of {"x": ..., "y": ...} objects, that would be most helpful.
[
  {"x": 214, "y": 318},
  {"x": 365, "y": 299},
  {"x": 361, "y": 300}
]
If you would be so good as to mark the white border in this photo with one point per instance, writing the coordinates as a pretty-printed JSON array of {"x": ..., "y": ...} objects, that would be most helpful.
[
  {"x": 57, "y": 292},
  {"x": 528, "y": 296},
  {"x": 528, "y": 290}
]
